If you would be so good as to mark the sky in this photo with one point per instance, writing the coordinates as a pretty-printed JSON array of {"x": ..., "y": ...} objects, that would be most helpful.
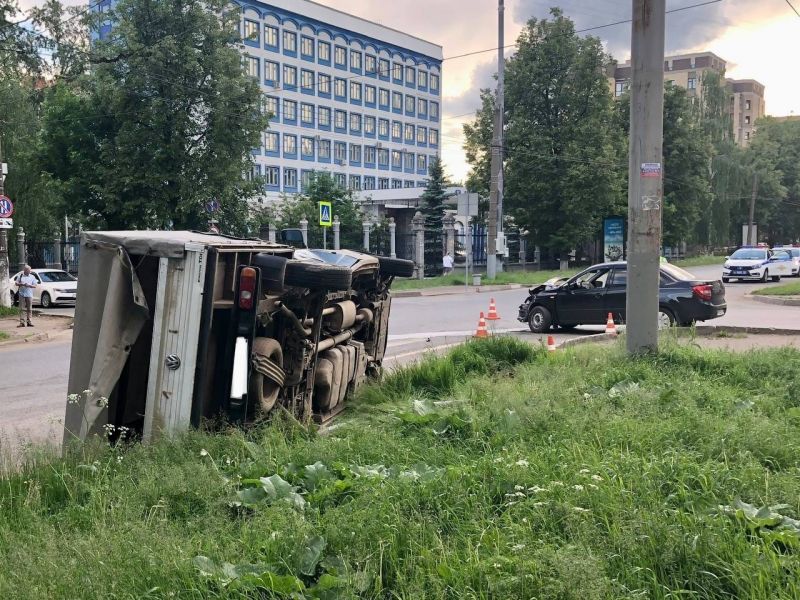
[{"x": 759, "y": 39}]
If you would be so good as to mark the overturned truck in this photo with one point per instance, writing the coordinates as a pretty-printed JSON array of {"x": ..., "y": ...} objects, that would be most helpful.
[{"x": 172, "y": 327}]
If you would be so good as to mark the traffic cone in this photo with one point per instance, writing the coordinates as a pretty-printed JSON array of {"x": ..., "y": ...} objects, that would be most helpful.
[
  {"x": 481, "y": 332},
  {"x": 492, "y": 316},
  {"x": 611, "y": 329},
  {"x": 551, "y": 344}
]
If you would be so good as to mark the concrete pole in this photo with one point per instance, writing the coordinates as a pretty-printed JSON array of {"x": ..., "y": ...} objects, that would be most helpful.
[
  {"x": 750, "y": 224},
  {"x": 272, "y": 233},
  {"x": 5, "y": 289},
  {"x": 336, "y": 230},
  {"x": 418, "y": 226},
  {"x": 493, "y": 264},
  {"x": 304, "y": 229},
  {"x": 22, "y": 258},
  {"x": 392, "y": 241},
  {"x": 449, "y": 226},
  {"x": 366, "y": 226},
  {"x": 645, "y": 181}
]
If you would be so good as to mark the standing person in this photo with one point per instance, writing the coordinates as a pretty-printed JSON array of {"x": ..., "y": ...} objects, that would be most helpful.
[
  {"x": 26, "y": 284},
  {"x": 447, "y": 263}
]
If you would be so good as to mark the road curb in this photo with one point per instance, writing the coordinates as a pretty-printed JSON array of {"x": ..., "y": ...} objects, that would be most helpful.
[
  {"x": 36, "y": 337},
  {"x": 737, "y": 329},
  {"x": 781, "y": 301},
  {"x": 432, "y": 291}
]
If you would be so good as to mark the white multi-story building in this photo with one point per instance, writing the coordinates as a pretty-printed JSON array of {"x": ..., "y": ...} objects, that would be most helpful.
[{"x": 348, "y": 96}]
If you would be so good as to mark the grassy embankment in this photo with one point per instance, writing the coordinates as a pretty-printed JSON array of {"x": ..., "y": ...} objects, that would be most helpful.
[
  {"x": 498, "y": 471},
  {"x": 789, "y": 289}
]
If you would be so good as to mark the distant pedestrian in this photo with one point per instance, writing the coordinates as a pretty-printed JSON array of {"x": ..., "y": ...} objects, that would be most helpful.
[
  {"x": 447, "y": 263},
  {"x": 26, "y": 284}
]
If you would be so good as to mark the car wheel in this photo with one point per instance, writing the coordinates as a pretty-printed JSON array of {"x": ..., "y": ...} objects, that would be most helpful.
[
  {"x": 539, "y": 319},
  {"x": 765, "y": 276},
  {"x": 267, "y": 377},
  {"x": 396, "y": 267},
  {"x": 776, "y": 278},
  {"x": 310, "y": 275},
  {"x": 666, "y": 318},
  {"x": 45, "y": 300}
]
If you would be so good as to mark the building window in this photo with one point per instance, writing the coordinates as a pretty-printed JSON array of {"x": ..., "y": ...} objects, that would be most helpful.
[
  {"x": 324, "y": 116},
  {"x": 251, "y": 32},
  {"x": 289, "y": 110},
  {"x": 409, "y": 133},
  {"x": 383, "y": 158},
  {"x": 355, "y": 91},
  {"x": 324, "y": 84},
  {"x": 307, "y": 80},
  {"x": 433, "y": 137},
  {"x": 324, "y": 51},
  {"x": 271, "y": 141},
  {"x": 397, "y": 184},
  {"x": 270, "y": 70},
  {"x": 290, "y": 178},
  {"x": 305, "y": 179},
  {"x": 355, "y": 153},
  {"x": 307, "y": 146},
  {"x": 692, "y": 83},
  {"x": 747, "y": 104},
  {"x": 422, "y": 162},
  {"x": 370, "y": 64},
  {"x": 271, "y": 106},
  {"x": 747, "y": 120},
  {"x": 369, "y": 183},
  {"x": 369, "y": 125},
  {"x": 383, "y": 127},
  {"x": 340, "y": 119},
  {"x": 397, "y": 130},
  {"x": 340, "y": 179},
  {"x": 324, "y": 150},
  {"x": 369, "y": 94},
  {"x": 355, "y": 59},
  {"x": 434, "y": 110},
  {"x": 408, "y": 183},
  {"x": 397, "y": 158},
  {"x": 289, "y": 76},
  {"x": 747, "y": 135},
  {"x": 383, "y": 68},
  {"x": 422, "y": 79},
  {"x": 410, "y": 104},
  {"x": 411, "y": 76},
  {"x": 355, "y": 122},
  {"x": 252, "y": 66},
  {"x": 271, "y": 36},
  {"x": 355, "y": 182},
  {"x": 340, "y": 56},
  {"x": 409, "y": 161},
  {"x": 340, "y": 152},
  {"x": 383, "y": 97},
  {"x": 619, "y": 88},
  {"x": 290, "y": 45},
  {"x": 307, "y": 47},
  {"x": 340, "y": 88},
  {"x": 422, "y": 134},
  {"x": 307, "y": 113},
  {"x": 397, "y": 101},
  {"x": 271, "y": 176},
  {"x": 434, "y": 82},
  {"x": 397, "y": 72},
  {"x": 369, "y": 154},
  {"x": 383, "y": 183},
  {"x": 289, "y": 144},
  {"x": 422, "y": 107}
]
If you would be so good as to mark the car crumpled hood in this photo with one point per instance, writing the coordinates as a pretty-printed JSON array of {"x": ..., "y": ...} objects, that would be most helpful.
[{"x": 355, "y": 261}]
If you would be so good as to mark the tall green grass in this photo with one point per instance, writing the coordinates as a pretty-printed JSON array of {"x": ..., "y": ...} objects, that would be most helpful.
[
  {"x": 498, "y": 472},
  {"x": 788, "y": 289},
  {"x": 521, "y": 277}
]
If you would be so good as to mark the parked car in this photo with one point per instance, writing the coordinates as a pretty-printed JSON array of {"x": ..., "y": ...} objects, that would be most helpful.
[
  {"x": 757, "y": 264},
  {"x": 54, "y": 286},
  {"x": 794, "y": 250},
  {"x": 588, "y": 297}
]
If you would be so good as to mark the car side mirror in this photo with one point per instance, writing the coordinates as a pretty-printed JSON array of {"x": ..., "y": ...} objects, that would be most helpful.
[{"x": 727, "y": 257}]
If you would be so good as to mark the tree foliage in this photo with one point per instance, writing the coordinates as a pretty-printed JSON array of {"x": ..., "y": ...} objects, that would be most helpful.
[{"x": 435, "y": 194}]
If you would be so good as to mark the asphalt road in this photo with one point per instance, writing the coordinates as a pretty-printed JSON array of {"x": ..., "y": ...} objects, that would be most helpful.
[{"x": 33, "y": 380}]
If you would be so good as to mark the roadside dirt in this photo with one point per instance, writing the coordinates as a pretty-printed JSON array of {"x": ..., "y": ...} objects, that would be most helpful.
[{"x": 44, "y": 328}]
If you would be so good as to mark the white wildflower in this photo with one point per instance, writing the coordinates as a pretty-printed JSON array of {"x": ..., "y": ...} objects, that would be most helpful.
[
  {"x": 558, "y": 483},
  {"x": 578, "y": 509},
  {"x": 108, "y": 428},
  {"x": 102, "y": 402},
  {"x": 587, "y": 396},
  {"x": 203, "y": 452},
  {"x": 593, "y": 486},
  {"x": 524, "y": 519},
  {"x": 498, "y": 459},
  {"x": 577, "y": 488},
  {"x": 584, "y": 471},
  {"x": 518, "y": 547},
  {"x": 522, "y": 463},
  {"x": 539, "y": 504},
  {"x": 119, "y": 458},
  {"x": 497, "y": 565},
  {"x": 73, "y": 399},
  {"x": 597, "y": 478},
  {"x": 519, "y": 488},
  {"x": 86, "y": 392},
  {"x": 536, "y": 489}
]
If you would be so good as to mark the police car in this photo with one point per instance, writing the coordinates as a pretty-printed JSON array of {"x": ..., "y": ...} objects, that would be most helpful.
[
  {"x": 794, "y": 250},
  {"x": 757, "y": 263}
]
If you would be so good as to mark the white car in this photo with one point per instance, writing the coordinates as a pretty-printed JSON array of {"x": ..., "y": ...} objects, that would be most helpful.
[
  {"x": 795, "y": 252},
  {"x": 757, "y": 264},
  {"x": 53, "y": 286}
]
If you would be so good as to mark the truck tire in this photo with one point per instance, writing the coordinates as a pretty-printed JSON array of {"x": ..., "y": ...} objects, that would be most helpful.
[
  {"x": 314, "y": 276},
  {"x": 267, "y": 376},
  {"x": 398, "y": 267},
  {"x": 273, "y": 271}
]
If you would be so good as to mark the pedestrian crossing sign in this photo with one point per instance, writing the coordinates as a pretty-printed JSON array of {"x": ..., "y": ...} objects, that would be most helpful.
[{"x": 325, "y": 214}]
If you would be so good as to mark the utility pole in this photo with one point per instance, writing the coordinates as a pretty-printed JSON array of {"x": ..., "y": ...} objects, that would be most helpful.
[
  {"x": 750, "y": 224},
  {"x": 496, "y": 183},
  {"x": 645, "y": 174},
  {"x": 5, "y": 291}
]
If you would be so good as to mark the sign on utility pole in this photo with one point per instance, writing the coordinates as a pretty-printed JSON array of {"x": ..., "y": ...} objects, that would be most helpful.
[
  {"x": 7, "y": 209},
  {"x": 645, "y": 174},
  {"x": 495, "y": 237},
  {"x": 325, "y": 221}
]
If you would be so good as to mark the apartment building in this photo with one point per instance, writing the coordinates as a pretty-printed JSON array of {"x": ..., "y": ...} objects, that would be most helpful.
[{"x": 747, "y": 106}]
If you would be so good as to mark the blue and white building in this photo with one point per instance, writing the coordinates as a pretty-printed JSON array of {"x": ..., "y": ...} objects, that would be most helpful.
[{"x": 348, "y": 96}]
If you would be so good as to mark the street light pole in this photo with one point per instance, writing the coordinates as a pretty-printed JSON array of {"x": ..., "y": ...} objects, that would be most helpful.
[
  {"x": 496, "y": 183},
  {"x": 645, "y": 175}
]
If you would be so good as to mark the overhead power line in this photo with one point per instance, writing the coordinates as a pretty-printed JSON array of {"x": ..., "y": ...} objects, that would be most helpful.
[{"x": 793, "y": 8}]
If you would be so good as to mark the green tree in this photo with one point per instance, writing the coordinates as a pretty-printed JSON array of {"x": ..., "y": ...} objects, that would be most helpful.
[
  {"x": 164, "y": 121},
  {"x": 434, "y": 196},
  {"x": 477, "y": 145}
]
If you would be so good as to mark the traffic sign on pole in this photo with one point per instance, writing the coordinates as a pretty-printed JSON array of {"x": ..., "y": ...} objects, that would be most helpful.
[
  {"x": 325, "y": 214},
  {"x": 212, "y": 206},
  {"x": 6, "y": 223},
  {"x": 6, "y": 207}
]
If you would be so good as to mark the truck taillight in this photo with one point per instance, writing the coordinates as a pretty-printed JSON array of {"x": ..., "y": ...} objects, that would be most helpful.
[
  {"x": 702, "y": 291},
  {"x": 247, "y": 288}
]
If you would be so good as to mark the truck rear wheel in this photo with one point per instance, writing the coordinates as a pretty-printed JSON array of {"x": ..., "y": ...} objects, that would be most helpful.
[
  {"x": 314, "y": 276},
  {"x": 267, "y": 378},
  {"x": 397, "y": 267}
]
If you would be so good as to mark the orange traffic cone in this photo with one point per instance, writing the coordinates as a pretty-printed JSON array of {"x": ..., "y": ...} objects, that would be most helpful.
[
  {"x": 481, "y": 332},
  {"x": 611, "y": 329},
  {"x": 551, "y": 344},
  {"x": 492, "y": 316}
]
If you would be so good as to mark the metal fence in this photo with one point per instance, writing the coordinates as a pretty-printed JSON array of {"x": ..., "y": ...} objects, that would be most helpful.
[
  {"x": 49, "y": 255},
  {"x": 404, "y": 245}
]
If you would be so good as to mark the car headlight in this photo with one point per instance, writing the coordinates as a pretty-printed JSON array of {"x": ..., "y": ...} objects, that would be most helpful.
[{"x": 726, "y": 266}]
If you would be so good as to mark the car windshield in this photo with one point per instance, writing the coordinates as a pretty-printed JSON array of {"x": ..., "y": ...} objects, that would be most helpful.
[
  {"x": 749, "y": 254},
  {"x": 55, "y": 276},
  {"x": 677, "y": 273}
]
